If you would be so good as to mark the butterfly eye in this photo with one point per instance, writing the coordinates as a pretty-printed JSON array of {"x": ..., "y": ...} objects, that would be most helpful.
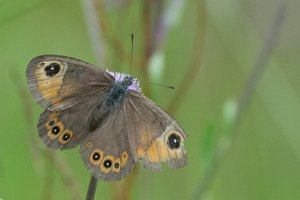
[
  {"x": 174, "y": 141},
  {"x": 51, "y": 123},
  {"x": 65, "y": 137},
  {"x": 55, "y": 130},
  {"x": 96, "y": 157},
  {"x": 107, "y": 163},
  {"x": 116, "y": 165},
  {"x": 52, "y": 69}
]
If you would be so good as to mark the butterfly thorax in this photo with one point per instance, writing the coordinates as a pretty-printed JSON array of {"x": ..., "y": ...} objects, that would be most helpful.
[
  {"x": 114, "y": 97},
  {"x": 116, "y": 94}
]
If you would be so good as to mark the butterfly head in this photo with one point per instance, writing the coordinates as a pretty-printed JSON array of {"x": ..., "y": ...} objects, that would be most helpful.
[{"x": 126, "y": 80}]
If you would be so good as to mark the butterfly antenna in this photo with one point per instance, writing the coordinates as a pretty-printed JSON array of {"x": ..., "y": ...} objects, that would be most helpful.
[
  {"x": 158, "y": 84},
  {"x": 150, "y": 83},
  {"x": 131, "y": 53}
]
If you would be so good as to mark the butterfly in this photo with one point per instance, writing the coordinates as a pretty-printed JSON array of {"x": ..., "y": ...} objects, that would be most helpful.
[{"x": 105, "y": 113}]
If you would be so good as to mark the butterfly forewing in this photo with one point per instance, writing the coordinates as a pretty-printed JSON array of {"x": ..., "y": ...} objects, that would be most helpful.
[
  {"x": 155, "y": 137},
  {"x": 59, "y": 82}
]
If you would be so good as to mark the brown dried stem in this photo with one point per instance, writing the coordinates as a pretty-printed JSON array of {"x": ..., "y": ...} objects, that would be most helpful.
[
  {"x": 113, "y": 40},
  {"x": 92, "y": 188},
  {"x": 194, "y": 68},
  {"x": 95, "y": 31}
]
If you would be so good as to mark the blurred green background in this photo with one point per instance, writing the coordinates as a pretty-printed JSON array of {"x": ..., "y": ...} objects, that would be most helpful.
[{"x": 208, "y": 50}]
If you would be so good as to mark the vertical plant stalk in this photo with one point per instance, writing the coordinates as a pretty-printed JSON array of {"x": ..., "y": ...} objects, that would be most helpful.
[
  {"x": 67, "y": 176},
  {"x": 244, "y": 100},
  {"x": 94, "y": 30},
  {"x": 147, "y": 37},
  {"x": 92, "y": 188},
  {"x": 261, "y": 62},
  {"x": 97, "y": 43},
  {"x": 113, "y": 40},
  {"x": 47, "y": 193},
  {"x": 124, "y": 189},
  {"x": 195, "y": 65}
]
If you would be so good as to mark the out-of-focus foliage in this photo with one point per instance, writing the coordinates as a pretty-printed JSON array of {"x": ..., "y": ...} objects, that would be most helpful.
[{"x": 206, "y": 49}]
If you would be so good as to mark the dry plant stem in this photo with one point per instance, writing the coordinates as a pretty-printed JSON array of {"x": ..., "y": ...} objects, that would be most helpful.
[
  {"x": 124, "y": 189},
  {"x": 244, "y": 100},
  {"x": 66, "y": 174},
  {"x": 113, "y": 40},
  {"x": 147, "y": 37},
  {"x": 261, "y": 62},
  {"x": 58, "y": 162},
  {"x": 194, "y": 68},
  {"x": 163, "y": 24},
  {"x": 95, "y": 31},
  {"x": 157, "y": 32},
  {"x": 92, "y": 188},
  {"x": 47, "y": 192}
]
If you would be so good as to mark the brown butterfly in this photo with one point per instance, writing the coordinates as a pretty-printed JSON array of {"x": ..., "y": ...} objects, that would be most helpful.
[{"x": 106, "y": 113}]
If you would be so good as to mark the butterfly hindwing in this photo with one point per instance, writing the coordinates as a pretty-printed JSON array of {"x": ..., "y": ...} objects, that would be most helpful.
[
  {"x": 65, "y": 129},
  {"x": 106, "y": 151}
]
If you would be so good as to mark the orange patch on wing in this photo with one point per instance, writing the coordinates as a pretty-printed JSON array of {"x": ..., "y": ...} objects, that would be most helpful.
[
  {"x": 49, "y": 90},
  {"x": 53, "y": 115},
  {"x": 145, "y": 141},
  {"x": 145, "y": 138},
  {"x": 49, "y": 86},
  {"x": 159, "y": 151},
  {"x": 141, "y": 152},
  {"x": 124, "y": 158},
  {"x": 66, "y": 136},
  {"x": 89, "y": 145}
]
